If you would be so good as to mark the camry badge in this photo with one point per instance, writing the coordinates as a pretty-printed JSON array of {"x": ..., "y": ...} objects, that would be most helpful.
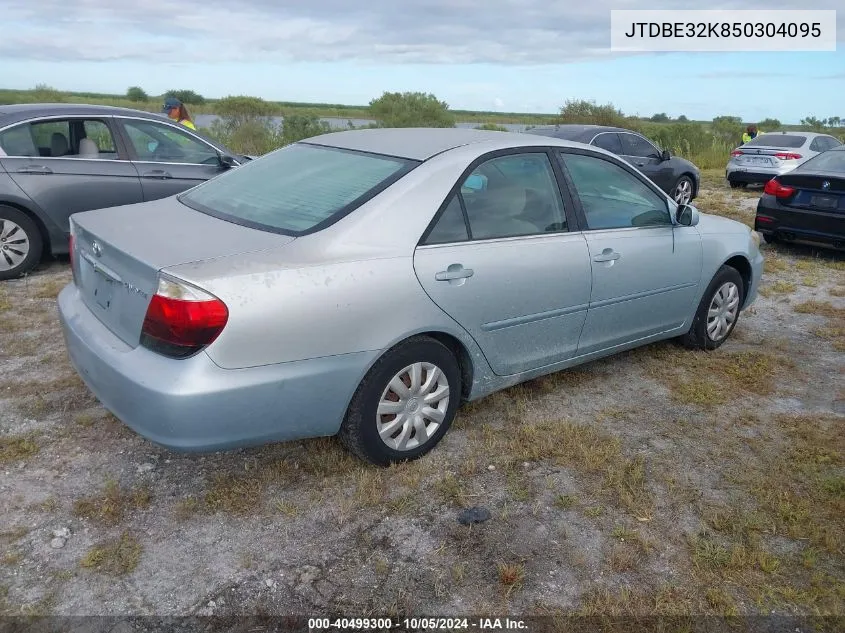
[
  {"x": 97, "y": 249},
  {"x": 826, "y": 184}
]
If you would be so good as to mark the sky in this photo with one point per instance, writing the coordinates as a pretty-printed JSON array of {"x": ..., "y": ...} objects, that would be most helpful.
[{"x": 500, "y": 55}]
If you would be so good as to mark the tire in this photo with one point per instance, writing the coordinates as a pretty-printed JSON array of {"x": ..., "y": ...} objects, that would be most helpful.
[
  {"x": 736, "y": 185},
  {"x": 359, "y": 431},
  {"x": 769, "y": 236},
  {"x": 20, "y": 243},
  {"x": 698, "y": 336},
  {"x": 688, "y": 186}
]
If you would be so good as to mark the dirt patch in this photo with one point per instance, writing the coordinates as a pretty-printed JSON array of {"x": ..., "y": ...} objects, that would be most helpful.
[{"x": 659, "y": 481}]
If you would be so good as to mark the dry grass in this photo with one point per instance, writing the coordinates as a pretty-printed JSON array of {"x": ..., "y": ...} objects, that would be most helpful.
[
  {"x": 113, "y": 504},
  {"x": 821, "y": 308},
  {"x": 50, "y": 288},
  {"x": 511, "y": 575},
  {"x": 15, "y": 448},
  {"x": 115, "y": 557}
]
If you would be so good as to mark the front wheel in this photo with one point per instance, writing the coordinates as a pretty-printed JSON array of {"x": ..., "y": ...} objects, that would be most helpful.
[
  {"x": 20, "y": 243},
  {"x": 718, "y": 311},
  {"x": 405, "y": 403},
  {"x": 682, "y": 191}
]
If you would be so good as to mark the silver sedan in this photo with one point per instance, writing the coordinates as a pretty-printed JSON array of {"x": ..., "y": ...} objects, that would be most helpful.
[{"x": 365, "y": 283}]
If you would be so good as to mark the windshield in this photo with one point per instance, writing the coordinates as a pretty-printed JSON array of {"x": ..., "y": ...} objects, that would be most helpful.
[
  {"x": 296, "y": 190},
  {"x": 777, "y": 140},
  {"x": 831, "y": 161}
]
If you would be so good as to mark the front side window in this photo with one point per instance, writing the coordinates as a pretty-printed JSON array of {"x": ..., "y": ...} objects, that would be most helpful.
[
  {"x": 634, "y": 145},
  {"x": 511, "y": 196},
  {"x": 609, "y": 141},
  {"x": 833, "y": 162},
  {"x": 612, "y": 197},
  {"x": 296, "y": 189},
  {"x": 159, "y": 143}
]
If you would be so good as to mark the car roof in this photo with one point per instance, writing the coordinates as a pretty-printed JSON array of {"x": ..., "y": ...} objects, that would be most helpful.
[
  {"x": 10, "y": 114},
  {"x": 421, "y": 143},
  {"x": 573, "y": 131}
]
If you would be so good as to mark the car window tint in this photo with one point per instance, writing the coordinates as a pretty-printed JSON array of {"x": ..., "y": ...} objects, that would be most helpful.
[
  {"x": 165, "y": 144},
  {"x": 18, "y": 141},
  {"x": 612, "y": 197},
  {"x": 450, "y": 227},
  {"x": 633, "y": 145},
  {"x": 609, "y": 141},
  {"x": 818, "y": 145},
  {"x": 791, "y": 141},
  {"x": 52, "y": 137},
  {"x": 99, "y": 132},
  {"x": 511, "y": 196},
  {"x": 296, "y": 188}
]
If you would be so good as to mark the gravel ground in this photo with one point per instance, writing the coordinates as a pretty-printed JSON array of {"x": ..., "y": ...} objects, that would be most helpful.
[{"x": 656, "y": 482}]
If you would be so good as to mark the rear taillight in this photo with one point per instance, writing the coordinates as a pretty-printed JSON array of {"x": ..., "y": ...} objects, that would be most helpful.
[
  {"x": 736, "y": 152},
  {"x": 787, "y": 156},
  {"x": 182, "y": 319},
  {"x": 776, "y": 189}
]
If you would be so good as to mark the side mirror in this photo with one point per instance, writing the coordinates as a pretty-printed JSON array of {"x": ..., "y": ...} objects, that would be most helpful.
[
  {"x": 687, "y": 215},
  {"x": 227, "y": 161},
  {"x": 665, "y": 155}
]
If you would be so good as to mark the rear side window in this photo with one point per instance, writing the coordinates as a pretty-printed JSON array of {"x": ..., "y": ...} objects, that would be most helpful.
[
  {"x": 297, "y": 189},
  {"x": 777, "y": 140},
  {"x": 633, "y": 145},
  {"x": 609, "y": 141},
  {"x": 833, "y": 162}
]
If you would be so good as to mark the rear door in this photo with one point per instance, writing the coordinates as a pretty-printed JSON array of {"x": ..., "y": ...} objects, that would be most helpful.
[
  {"x": 505, "y": 260},
  {"x": 643, "y": 155},
  {"x": 169, "y": 158},
  {"x": 609, "y": 141},
  {"x": 70, "y": 164}
]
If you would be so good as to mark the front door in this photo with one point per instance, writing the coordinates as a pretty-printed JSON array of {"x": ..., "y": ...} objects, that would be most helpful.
[
  {"x": 646, "y": 157},
  {"x": 68, "y": 165},
  {"x": 169, "y": 160},
  {"x": 500, "y": 260},
  {"x": 645, "y": 270}
]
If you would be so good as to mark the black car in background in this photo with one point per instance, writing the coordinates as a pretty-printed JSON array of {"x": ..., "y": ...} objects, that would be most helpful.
[
  {"x": 806, "y": 204},
  {"x": 59, "y": 159},
  {"x": 675, "y": 175}
]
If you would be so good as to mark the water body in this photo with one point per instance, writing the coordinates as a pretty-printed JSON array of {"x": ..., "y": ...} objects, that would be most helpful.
[{"x": 339, "y": 123}]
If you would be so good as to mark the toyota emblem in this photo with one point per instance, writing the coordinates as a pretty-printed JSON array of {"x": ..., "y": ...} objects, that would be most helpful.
[
  {"x": 97, "y": 249},
  {"x": 826, "y": 184}
]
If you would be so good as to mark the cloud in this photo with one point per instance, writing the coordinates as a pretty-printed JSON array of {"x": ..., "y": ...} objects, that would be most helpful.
[{"x": 527, "y": 32}]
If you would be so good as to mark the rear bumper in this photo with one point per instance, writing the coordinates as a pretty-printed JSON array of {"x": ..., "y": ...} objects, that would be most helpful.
[
  {"x": 799, "y": 225},
  {"x": 193, "y": 405},
  {"x": 755, "y": 175}
]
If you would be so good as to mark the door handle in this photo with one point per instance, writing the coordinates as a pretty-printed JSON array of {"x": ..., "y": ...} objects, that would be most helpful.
[
  {"x": 35, "y": 169},
  {"x": 640, "y": 164},
  {"x": 157, "y": 173},
  {"x": 455, "y": 272},
  {"x": 607, "y": 255}
]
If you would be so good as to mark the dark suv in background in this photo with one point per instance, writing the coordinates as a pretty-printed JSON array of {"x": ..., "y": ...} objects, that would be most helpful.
[{"x": 675, "y": 175}]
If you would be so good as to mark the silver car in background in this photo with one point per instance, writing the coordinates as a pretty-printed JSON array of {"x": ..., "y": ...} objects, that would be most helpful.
[
  {"x": 774, "y": 154},
  {"x": 365, "y": 283}
]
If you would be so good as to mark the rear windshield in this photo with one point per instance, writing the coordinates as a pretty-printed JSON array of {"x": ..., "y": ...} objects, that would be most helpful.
[
  {"x": 778, "y": 140},
  {"x": 298, "y": 189},
  {"x": 830, "y": 161}
]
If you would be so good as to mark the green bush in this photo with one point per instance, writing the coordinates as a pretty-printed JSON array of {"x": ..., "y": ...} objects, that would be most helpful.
[
  {"x": 492, "y": 127},
  {"x": 299, "y": 126},
  {"x": 588, "y": 112},
  {"x": 47, "y": 94},
  {"x": 186, "y": 96},
  {"x": 137, "y": 94},
  {"x": 411, "y": 109}
]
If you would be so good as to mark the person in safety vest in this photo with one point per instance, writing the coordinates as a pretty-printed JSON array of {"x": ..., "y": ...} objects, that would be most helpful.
[
  {"x": 177, "y": 111},
  {"x": 750, "y": 133}
]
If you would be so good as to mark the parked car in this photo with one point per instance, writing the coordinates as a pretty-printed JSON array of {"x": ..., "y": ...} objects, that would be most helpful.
[
  {"x": 677, "y": 176},
  {"x": 774, "y": 154},
  {"x": 57, "y": 159},
  {"x": 366, "y": 282},
  {"x": 807, "y": 204}
]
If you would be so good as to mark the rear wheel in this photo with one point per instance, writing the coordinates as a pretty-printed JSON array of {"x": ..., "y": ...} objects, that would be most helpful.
[
  {"x": 718, "y": 311},
  {"x": 736, "y": 185},
  {"x": 405, "y": 403},
  {"x": 20, "y": 243}
]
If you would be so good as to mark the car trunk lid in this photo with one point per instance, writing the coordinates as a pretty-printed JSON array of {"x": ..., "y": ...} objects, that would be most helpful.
[
  {"x": 118, "y": 253},
  {"x": 816, "y": 192},
  {"x": 766, "y": 156}
]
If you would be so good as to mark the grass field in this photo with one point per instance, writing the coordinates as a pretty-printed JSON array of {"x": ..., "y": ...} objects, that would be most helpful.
[{"x": 660, "y": 482}]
